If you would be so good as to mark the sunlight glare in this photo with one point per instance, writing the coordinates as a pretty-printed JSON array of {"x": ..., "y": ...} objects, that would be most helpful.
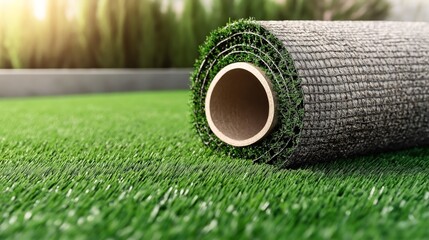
[
  {"x": 39, "y": 9},
  {"x": 72, "y": 9},
  {"x": 5, "y": 5}
]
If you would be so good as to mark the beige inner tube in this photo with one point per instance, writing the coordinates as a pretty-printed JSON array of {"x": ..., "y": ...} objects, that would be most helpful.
[{"x": 240, "y": 105}]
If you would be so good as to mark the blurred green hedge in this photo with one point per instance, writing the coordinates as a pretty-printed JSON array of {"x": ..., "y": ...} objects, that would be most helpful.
[{"x": 142, "y": 33}]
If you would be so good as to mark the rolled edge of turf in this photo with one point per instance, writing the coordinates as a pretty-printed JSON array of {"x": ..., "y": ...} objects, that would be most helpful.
[
  {"x": 247, "y": 41},
  {"x": 343, "y": 88}
]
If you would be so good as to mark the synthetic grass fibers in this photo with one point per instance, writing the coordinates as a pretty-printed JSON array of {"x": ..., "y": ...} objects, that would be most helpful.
[
  {"x": 295, "y": 92},
  {"x": 129, "y": 166}
]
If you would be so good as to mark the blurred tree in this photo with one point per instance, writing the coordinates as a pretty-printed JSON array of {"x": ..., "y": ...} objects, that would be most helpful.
[
  {"x": 163, "y": 26},
  {"x": 147, "y": 28},
  {"x": 254, "y": 8},
  {"x": 170, "y": 32},
  {"x": 192, "y": 31},
  {"x": 143, "y": 33},
  {"x": 131, "y": 36},
  {"x": 223, "y": 11}
]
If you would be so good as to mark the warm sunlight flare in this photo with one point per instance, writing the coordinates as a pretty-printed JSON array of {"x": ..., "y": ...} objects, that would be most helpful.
[
  {"x": 39, "y": 9},
  {"x": 72, "y": 9},
  {"x": 3, "y": 2}
]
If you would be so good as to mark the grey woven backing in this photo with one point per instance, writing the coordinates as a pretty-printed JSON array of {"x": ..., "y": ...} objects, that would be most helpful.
[{"x": 365, "y": 85}]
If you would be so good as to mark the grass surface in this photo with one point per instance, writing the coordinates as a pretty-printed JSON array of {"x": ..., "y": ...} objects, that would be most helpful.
[{"x": 129, "y": 166}]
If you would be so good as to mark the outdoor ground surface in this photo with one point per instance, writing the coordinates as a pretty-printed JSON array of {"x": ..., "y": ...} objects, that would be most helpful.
[{"x": 130, "y": 166}]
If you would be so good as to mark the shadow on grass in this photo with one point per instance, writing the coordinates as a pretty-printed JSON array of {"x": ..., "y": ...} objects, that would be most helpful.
[{"x": 405, "y": 162}]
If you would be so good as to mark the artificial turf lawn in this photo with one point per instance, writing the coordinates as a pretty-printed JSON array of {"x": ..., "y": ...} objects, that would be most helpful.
[{"x": 130, "y": 166}]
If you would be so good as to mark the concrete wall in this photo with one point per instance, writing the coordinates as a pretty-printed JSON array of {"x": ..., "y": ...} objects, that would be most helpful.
[{"x": 17, "y": 83}]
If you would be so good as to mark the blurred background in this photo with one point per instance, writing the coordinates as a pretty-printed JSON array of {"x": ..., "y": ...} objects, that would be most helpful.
[
  {"x": 154, "y": 33},
  {"x": 57, "y": 47}
]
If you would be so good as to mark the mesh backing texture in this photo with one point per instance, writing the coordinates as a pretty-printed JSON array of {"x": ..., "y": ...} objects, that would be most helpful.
[{"x": 343, "y": 88}]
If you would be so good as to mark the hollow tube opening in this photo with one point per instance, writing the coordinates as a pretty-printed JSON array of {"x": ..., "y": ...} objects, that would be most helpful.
[{"x": 240, "y": 105}]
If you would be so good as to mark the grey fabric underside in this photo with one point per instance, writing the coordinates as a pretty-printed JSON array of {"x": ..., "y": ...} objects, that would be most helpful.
[{"x": 365, "y": 85}]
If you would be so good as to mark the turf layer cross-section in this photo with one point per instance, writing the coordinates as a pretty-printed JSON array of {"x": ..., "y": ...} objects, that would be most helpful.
[{"x": 342, "y": 88}]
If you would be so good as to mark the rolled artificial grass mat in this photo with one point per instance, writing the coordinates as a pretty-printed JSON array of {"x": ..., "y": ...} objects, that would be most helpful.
[{"x": 294, "y": 92}]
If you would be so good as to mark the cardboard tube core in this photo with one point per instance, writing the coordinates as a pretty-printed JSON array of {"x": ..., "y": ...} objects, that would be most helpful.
[{"x": 240, "y": 105}]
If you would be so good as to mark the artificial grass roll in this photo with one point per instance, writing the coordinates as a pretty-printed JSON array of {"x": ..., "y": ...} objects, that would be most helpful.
[{"x": 293, "y": 92}]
